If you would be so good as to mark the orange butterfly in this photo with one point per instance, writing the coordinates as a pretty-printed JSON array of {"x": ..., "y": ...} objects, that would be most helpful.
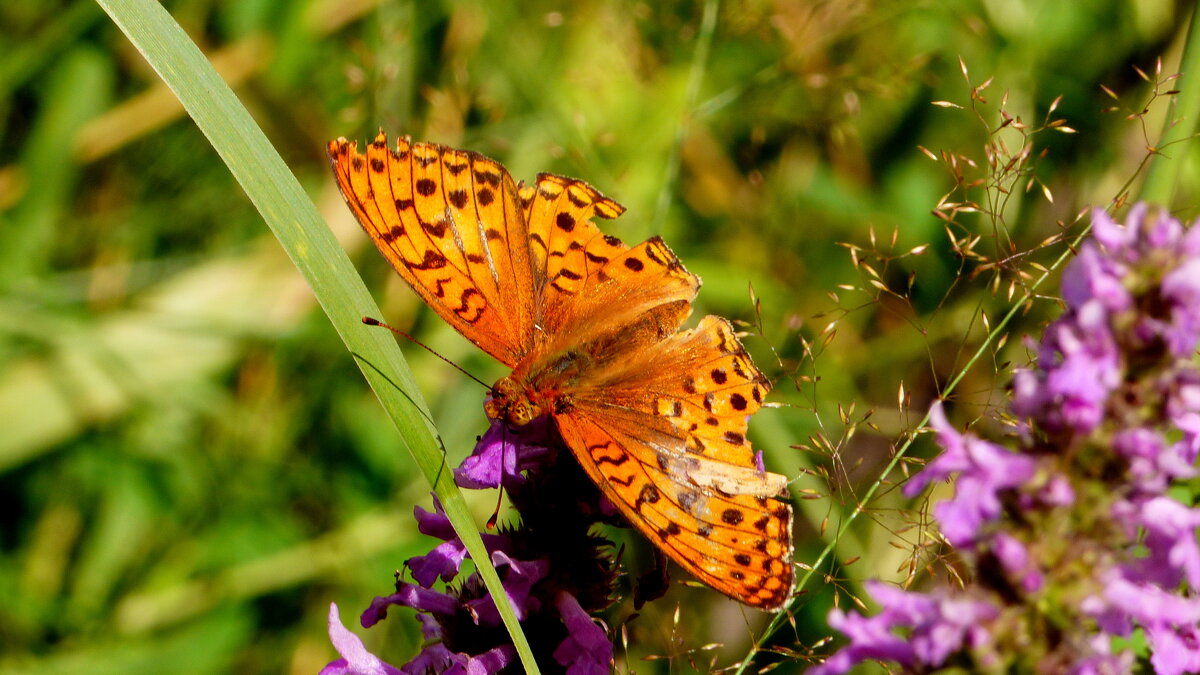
[{"x": 657, "y": 418}]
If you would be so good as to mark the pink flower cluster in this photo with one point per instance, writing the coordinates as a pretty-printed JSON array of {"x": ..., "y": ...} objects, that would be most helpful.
[{"x": 1074, "y": 529}]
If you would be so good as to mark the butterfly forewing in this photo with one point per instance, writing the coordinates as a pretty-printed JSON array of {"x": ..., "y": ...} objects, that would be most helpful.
[
  {"x": 566, "y": 247},
  {"x": 451, "y": 224}
]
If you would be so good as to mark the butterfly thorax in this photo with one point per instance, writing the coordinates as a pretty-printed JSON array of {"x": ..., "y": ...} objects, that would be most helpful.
[
  {"x": 541, "y": 382},
  {"x": 537, "y": 386}
]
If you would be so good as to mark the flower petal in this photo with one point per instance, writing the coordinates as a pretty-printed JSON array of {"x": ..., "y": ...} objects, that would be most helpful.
[{"x": 356, "y": 660}]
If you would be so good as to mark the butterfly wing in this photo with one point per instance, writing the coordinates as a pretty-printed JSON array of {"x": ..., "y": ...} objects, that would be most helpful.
[
  {"x": 663, "y": 433},
  {"x": 575, "y": 264},
  {"x": 452, "y": 225},
  {"x": 565, "y": 246}
]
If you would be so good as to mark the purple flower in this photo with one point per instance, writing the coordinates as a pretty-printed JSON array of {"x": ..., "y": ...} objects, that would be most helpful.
[
  {"x": 1077, "y": 526},
  {"x": 503, "y": 454},
  {"x": 1181, "y": 288},
  {"x": 445, "y": 559},
  {"x": 408, "y": 595},
  {"x": 469, "y": 614},
  {"x": 1182, "y": 390},
  {"x": 935, "y": 626},
  {"x": 587, "y": 649},
  {"x": 1099, "y": 659},
  {"x": 356, "y": 660},
  {"x": 1119, "y": 241},
  {"x": 1151, "y": 247},
  {"x": 1093, "y": 276},
  {"x": 438, "y": 659},
  {"x": 1170, "y": 621},
  {"x": 984, "y": 470},
  {"x": 1079, "y": 367},
  {"x": 1124, "y": 600},
  {"x": 1170, "y": 538},
  {"x": 1152, "y": 461},
  {"x": 519, "y": 578},
  {"x": 1176, "y": 648},
  {"x": 1057, "y": 491},
  {"x": 1015, "y": 560}
]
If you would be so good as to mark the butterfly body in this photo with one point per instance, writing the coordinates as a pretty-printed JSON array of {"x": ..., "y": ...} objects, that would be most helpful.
[{"x": 656, "y": 416}]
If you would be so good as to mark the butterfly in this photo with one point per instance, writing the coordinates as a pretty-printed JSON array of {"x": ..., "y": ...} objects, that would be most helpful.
[{"x": 656, "y": 416}]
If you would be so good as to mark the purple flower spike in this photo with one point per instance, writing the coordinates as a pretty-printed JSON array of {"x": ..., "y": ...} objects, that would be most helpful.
[
  {"x": 356, "y": 660},
  {"x": 1076, "y": 530},
  {"x": 586, "y": 649}
]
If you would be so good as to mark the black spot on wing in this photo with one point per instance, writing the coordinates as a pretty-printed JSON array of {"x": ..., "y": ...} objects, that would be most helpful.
[{"x": 426, "y": 187}]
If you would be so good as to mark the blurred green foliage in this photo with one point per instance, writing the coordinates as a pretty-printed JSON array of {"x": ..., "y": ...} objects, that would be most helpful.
[{"x": 191, "y": 469}]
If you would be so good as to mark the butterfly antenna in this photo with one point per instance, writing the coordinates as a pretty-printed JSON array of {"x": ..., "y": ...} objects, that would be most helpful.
[{"x": 376, "y": 322}]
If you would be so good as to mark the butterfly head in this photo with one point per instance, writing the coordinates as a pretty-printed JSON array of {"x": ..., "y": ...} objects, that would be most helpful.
[{"x": 510, "y": 402}]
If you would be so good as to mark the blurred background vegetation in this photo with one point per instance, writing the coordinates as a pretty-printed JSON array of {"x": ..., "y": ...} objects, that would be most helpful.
[{"x": 191, "y": 467}]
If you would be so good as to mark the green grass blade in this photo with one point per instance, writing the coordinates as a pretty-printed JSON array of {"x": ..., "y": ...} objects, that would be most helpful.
[
  {"x": 293, "y": 218},
  {"x": 1180, "y": 125}
]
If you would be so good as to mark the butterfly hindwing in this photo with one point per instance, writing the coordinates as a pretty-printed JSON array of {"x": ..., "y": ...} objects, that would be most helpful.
[{"x": 664, "y": 436}]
